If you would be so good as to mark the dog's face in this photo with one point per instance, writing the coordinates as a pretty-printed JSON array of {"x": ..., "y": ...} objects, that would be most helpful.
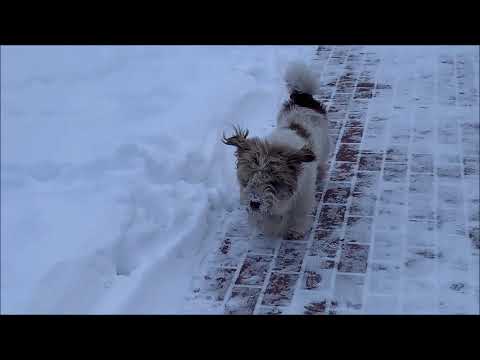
[{"x": 268, "y": 174}]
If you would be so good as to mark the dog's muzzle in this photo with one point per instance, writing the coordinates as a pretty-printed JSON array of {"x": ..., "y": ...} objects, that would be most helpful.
[
  {"x": 259, "y": 205},
  {"x": 255, "y": 205}
]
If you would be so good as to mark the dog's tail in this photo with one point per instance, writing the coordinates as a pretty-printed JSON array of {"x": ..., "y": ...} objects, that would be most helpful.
[{"x": 301, "y": 79}]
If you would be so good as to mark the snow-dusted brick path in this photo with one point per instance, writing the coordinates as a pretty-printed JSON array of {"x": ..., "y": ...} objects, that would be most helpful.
[{"x": 396, "y": 228}]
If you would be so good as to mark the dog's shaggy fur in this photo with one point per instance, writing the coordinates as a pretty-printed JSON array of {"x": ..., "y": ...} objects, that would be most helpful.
[{"x": 277, "y": 174}]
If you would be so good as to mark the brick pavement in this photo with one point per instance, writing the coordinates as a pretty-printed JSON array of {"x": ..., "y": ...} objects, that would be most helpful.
[{"x": 396, "y": 226}]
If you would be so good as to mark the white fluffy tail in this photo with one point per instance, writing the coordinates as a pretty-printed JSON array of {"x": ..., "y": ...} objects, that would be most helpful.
[{"x": 299, "y": 77}]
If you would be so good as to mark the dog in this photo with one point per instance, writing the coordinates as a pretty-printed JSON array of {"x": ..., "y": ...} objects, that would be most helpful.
[{"x": 277, "y": 175}]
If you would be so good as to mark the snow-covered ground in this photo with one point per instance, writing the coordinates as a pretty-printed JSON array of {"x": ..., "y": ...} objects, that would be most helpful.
[
  {"x": 112, "y": 172},
  {"x": 116, "y": 188}
]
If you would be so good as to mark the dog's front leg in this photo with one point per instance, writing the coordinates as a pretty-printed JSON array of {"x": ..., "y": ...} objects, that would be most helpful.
[
  {"x": 298, "y": 230},
  {"x": 301, "y": 220},
  {"x": 322, "y": 172}
]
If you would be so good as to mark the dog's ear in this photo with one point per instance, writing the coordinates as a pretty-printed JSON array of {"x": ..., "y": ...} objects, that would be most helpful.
[
  {"x": 305, "y": 154},
  {"x": 239, "y": 139}
]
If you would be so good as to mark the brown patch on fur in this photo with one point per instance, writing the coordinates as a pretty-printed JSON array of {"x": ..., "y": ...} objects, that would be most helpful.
[
  {"x": 304, "y": 100},
  {"x": 305, "y": 154},
  {"x": 300, "y": 130}
]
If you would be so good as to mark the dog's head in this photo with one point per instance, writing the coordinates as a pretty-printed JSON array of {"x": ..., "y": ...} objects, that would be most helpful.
[{"x": 267, "y": 173}]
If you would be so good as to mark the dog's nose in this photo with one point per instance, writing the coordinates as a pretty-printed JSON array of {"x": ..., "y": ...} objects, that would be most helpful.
[{"x": 255, "y": 205}]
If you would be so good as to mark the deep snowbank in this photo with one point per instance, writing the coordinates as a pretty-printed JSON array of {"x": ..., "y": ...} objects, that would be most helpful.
[{"x": 113, "y": 174}]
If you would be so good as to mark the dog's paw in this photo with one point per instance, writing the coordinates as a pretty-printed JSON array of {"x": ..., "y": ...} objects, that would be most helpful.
[{"x": 294, "y": 235}]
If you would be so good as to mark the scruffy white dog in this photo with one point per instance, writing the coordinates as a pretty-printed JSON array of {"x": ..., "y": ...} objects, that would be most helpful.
[{"x": 277, "y": 174}]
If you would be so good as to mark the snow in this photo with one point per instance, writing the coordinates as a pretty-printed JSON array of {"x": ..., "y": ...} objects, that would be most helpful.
[
  {"x": 115, "y": 184},
  {"x": 112, "y": 172}
]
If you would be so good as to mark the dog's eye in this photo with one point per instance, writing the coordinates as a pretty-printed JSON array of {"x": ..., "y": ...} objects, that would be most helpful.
[
  {"x": 243, "y": 181},
  {"x": 278, "y": 185},
  {"x": 281, "y": 187}
]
